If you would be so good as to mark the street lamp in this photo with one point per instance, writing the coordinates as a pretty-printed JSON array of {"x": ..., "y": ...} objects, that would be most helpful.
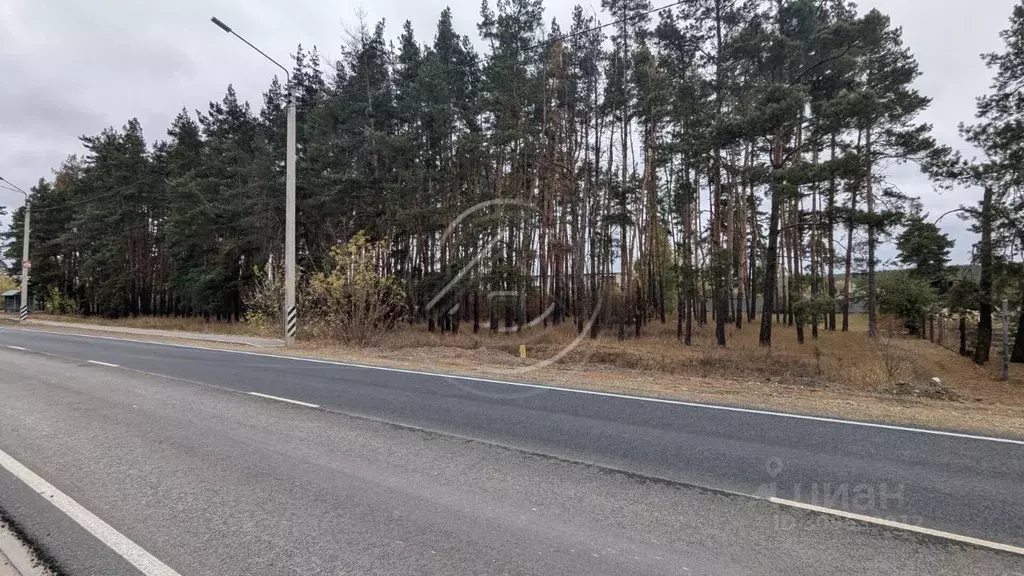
[
  {"x": 290, "y": 316},
  {"x": 25, "y": 264}
]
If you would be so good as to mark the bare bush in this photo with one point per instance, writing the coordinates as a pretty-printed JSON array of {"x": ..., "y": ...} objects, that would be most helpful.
[
  {"x": 264, "y": 300},
  {"x": 894, "y": 359},
  {"x": 351, "y": 302}
]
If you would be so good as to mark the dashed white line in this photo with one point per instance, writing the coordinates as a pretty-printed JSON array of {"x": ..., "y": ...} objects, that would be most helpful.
[
  {"x": 288, "y": 400},
  {"x": 148, "y": 564},
  {"x": 901, "y": 526},
  {"x": 18, "y": 348},
  {"x": 699, "y": 405},
  {"x": 102, "y": 363}
]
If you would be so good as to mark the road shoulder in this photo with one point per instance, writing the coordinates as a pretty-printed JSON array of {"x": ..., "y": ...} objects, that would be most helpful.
[{"x": 45, "y": 542}]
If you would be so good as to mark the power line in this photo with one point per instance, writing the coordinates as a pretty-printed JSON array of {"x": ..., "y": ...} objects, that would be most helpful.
[
  {"x": 13, "y": 187},
  {"x": 88, "y": 200}
]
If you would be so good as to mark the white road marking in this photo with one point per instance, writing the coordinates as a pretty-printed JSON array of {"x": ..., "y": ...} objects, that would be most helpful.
[
  {"x": 840, "y": 513},
  {"x": 148, "y": 564},
  {"x": 279, "y": 399},
  {"x": 102, "y": 363},
  {"x": 901, "y": 526},
  {"x": 18, "y": 348},
  {"x": 558, "y": 389}
]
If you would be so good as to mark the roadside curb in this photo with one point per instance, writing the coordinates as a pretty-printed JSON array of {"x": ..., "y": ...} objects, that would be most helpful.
[
  {"x": 254, "y": 342},
  {"x": 20, "y": 556}
]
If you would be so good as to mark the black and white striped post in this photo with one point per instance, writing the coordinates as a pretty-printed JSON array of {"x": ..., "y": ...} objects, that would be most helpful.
[{"x": 291, "y": 325}]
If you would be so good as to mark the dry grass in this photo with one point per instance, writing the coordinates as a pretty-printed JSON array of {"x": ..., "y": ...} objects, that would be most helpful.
[{"x": 850, "y": 359}]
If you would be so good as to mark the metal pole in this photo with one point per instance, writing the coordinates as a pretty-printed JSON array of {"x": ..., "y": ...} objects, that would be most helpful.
[
  {"x": 25, "y": 260},
  {"x": 1006, "y": 340},
  {"x": 291, "y": 317}
]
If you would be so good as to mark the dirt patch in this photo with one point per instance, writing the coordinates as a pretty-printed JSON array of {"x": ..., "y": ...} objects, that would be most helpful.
[
  {"x": 933, "y": 390},
  {"x": 484, "y": 356}
]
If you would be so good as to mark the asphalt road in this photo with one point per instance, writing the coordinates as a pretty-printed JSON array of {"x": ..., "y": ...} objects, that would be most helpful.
[{"x": 476, "y": 478}]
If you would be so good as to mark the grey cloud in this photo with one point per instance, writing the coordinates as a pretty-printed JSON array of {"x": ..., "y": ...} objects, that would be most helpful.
[{"x": 42, "y": 113}]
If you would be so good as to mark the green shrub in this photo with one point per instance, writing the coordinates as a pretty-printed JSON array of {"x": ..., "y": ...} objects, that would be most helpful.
[
  {"x": 57, "y": 303},
  {"x": 351, "y": 302},
  {"x": 908, "y": 298},
  {"x": 7, "y": 283}
]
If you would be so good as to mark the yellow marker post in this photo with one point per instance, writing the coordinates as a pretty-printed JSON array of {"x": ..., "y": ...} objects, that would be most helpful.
[{"x": 522, "y": 350}]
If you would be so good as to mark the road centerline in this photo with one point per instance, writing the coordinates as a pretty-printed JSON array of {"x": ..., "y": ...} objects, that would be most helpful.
[{"x": 107, "y": 364}]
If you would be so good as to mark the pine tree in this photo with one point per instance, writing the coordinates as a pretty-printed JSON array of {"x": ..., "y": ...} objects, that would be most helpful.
[
  {"x": 708, "y": 155},
  {"x": 886, "y": 116},
  {"x": 923, "y": 247},
  {"x": 999, "y": 133}
]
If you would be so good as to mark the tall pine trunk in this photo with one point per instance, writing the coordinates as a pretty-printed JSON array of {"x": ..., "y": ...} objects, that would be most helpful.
[
  {"x": 869, "y": 195},
  {"x": 983, "y": 344},
  {"x": 830, "y": 250},
  {"x": 771, "y": 269},
  {"x": 848, "y": 263}
]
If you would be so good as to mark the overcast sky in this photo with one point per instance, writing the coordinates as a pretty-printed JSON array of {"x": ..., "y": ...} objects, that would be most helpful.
[{"x": 69, "y": 68}]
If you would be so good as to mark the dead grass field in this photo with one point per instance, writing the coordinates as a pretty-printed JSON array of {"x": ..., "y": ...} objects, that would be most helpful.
[
  {"x": 850, "y": 359},
  {"x": 840, "y": 374},
  {"x": 845, "y": 360}
]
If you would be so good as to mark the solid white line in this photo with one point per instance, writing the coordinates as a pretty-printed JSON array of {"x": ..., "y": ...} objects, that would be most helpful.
[
  {"x": 102, "y": 363},
  {"x": 279, "y": 399},
  {"x": 148, "y": 564},
  {"x": 18, "y": 348},
  {"x": 559, "y": 389},
  {"x": 901, "y": 526}
]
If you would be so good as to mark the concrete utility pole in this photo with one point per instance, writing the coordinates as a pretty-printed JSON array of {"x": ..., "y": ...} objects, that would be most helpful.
[
  {"x": 290, "y": 314},
  {"x": 25, "y": 263}
]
